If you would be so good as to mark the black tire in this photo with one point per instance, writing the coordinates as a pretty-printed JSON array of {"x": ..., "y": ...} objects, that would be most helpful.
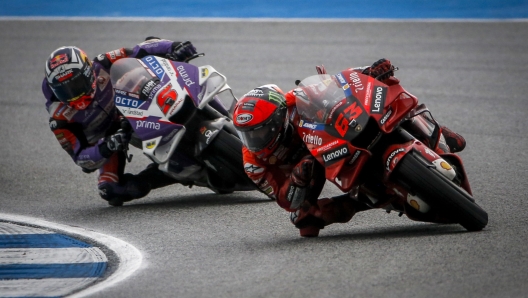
[
  {"x": 225, "y": 154},
  {"x": 441, "y": 193}
]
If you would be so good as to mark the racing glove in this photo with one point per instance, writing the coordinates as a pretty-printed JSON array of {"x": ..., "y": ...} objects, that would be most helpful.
[
  {"x": 381, "y": 69},
  {"x": 116, "y": 142},
  {"x": 182, "y": 51},
  {"x": 302, "y": 173}
]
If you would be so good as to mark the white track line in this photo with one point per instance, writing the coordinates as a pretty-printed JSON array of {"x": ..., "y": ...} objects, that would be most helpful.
[{"x": 129, "y": 257}]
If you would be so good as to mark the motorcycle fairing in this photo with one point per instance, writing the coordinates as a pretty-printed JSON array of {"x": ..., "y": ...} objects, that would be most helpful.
[
  {"x": 387, "y": 104},
  {"x": 177, "y": 80},
  {"x": 183, "y": 168},
  {"x": 202, "y": 84},
  {"x": 345, "y": 171},
  {"x": 362, "y": 98},
  {"x": 341, "y": 159},
  {"x": 208, "y": 132},
  {"x": 347, "y": 120},
  {"x": 186, "y": 75}
]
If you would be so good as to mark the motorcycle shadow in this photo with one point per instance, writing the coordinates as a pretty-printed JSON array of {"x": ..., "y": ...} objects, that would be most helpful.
[
  {"x": 396, "y": 232},
  {"x": 194, "y": 201},
  {"x": 379, "y": 233}
]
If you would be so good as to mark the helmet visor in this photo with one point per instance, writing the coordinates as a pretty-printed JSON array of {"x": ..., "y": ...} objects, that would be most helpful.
[
  {"x": 260, "y": 137},
  {"x": 72, "y": 89}
]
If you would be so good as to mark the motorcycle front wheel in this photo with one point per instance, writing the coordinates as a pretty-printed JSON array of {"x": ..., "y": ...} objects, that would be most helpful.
[
  {"x": 440, "y": 193},
  {"x": 225, "y": 155}
]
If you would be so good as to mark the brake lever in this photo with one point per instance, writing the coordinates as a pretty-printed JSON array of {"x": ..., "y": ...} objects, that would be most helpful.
[
  {"x": 194, "y": 57},
  {"x": 393, "y": 69}
]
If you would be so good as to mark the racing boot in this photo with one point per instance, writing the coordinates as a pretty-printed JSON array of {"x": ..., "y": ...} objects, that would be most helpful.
[
  {"x": 128, "y": 189},
  {"x": 310, "y": 219},
  {"x": 134, "y": 186},
  {"x": 455, "y": 141}
]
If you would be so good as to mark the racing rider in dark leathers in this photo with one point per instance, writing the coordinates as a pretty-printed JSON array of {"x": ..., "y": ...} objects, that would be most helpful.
[
  {"x": 85, "y": 121},
  {"x": 277, "y": 160}
]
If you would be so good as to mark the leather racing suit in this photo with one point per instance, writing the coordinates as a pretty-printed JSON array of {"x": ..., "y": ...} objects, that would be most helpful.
[
  {"x": 273, "y": 177},
  {"x": 81, "y": 133}
]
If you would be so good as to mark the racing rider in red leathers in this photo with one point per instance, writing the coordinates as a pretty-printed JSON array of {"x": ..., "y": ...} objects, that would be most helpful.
[
  {"x": 277, "y": 160},
  {"x": 85, "y": 121}
]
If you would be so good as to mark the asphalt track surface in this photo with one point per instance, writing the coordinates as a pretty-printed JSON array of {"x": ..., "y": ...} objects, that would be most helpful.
[{"x": 198, "y": 244}]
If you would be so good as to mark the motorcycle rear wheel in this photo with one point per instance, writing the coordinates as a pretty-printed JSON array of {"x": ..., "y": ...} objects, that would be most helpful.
[{"x": 441, "y": 193}]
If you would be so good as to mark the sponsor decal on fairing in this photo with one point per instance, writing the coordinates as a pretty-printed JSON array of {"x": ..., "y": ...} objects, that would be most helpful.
[
  {"x": 368, "y": 93},
  {"x": 148, "y": 124},
  {"x": 185, "y": 77},
  {"x": 149, "y": 86},
  {"x": 209, "y": 134},
  {"x": 444, "y": 168},
  {"x": 356, "y": 81},
  {"x": 205, "y": 72},
  {"x": 130, "y": 112},
  {"x": 332, "y": 111},
  {"x": 327, "y": 146},
  {"x": 152, "y": 63},
  {"x": 168, "y": 67},
  {"x": 336, "y": 154},
  {"x": 385, "y": 117},
  {"x": 391, "y": 156},
  {"x": 377, "y": 105},
  {"x": 151, "y": 144},
  {"x": 340, "y": 79},
  {"x": 312, "y": 139},
  {"x": 356, "y": 155},
  {"x": 309, "y": 125},
  {"x": 127, "y": 101}
]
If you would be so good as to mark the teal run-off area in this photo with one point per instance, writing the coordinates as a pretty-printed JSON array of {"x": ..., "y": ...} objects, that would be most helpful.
[{"x": 328, "y": 9}]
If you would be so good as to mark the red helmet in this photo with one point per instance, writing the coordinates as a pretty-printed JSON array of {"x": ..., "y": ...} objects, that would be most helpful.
[
  {"x": 260, "y": 119},
  {"x": 71, "y": 77}
]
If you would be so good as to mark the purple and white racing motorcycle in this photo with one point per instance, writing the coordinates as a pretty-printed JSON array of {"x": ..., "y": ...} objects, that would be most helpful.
[{"x": 181, "y": 115}]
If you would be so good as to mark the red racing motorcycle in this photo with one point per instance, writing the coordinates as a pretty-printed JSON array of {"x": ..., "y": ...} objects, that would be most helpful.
[{"x": 379, "y": 145}]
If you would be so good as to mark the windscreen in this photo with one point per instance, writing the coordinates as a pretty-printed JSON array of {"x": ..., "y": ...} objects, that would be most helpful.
[{"x": 128, "y": 74}]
